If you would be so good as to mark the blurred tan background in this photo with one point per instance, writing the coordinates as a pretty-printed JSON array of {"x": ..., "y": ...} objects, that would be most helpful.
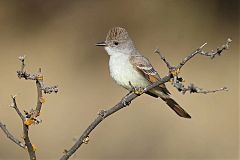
[{"x": 59, "y": 36}]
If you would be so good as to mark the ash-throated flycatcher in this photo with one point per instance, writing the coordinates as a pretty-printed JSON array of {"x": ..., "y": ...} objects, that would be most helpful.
[{"x": 126, "y": 65}]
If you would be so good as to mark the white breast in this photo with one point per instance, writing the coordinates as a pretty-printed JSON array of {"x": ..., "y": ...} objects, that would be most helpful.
[{"x": 122, "y": 71}]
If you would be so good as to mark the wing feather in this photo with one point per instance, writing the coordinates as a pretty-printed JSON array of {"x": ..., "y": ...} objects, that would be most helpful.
[{"x": 143, "y": 66}]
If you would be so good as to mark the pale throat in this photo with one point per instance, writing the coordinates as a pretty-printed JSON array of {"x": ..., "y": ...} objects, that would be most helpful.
[{"x": 115, "y": 51}]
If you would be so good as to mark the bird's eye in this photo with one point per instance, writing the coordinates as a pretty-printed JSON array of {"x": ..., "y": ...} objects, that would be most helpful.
[{"x": 115, "y": 43}]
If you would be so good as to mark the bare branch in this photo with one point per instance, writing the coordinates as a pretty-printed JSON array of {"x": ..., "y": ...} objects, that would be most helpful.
[
  {"x": 31, "y": 150},
  {"x": 163, "y": 58},
  {"x": 39, "y": 84},
  {"x": 175, "y": 70},
  {"x": 40, "y": 100},
  {"x": 104, "y": 114},
  {"x": 218, "y": 51},
  {"x": 27, "y": 141},
  {"x": 14, "y": 105},
  {"x": 31, "y": 116},
  {"x": 194, "y": 89},
  {"x": 10, "y": 136},
  {"x": 48, "y": 89},
  {"x": 22, "y": 59},
  {"x": 200, "y": 51}
]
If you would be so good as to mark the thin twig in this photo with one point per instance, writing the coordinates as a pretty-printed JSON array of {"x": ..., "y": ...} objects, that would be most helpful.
[
  {"x": 175, "y": 70},
  {"x": 194, "y": 89},
  {"x": 11, "y": 137},
  {"x": 163, "y": 58},
  {"x": 200, "y": 51},
  {"x": 14, "y": 105},
  {"x": 26, "y": 138}
]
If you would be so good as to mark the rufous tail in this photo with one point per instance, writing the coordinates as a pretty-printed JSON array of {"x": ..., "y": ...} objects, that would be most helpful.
[{"x": 176, "y": 107}]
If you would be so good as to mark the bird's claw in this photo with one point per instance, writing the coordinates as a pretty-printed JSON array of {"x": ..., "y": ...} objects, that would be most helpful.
[{"x": 138, "y": 90}]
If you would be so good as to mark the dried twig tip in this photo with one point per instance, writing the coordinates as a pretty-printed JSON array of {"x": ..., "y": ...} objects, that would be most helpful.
[
  {"x": 203, "y": 45},
  {"x": 157, "y": 51},
  {"x": 229, "y": 40},
  {"x": 22, "y": 58}
]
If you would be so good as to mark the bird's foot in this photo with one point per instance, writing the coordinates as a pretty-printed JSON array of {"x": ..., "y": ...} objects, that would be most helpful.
[{"x": 138, "y": 90}]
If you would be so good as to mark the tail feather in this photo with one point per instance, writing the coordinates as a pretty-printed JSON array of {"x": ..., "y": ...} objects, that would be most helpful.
[
  {"x": 176, "y": 107},
  {"x": 159, "y": 92}
]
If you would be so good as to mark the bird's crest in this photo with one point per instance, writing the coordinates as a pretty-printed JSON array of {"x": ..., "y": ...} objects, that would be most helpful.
[{"x": 117, "y": 33}]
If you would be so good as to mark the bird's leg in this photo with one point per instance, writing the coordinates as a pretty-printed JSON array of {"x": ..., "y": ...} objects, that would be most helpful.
[{"x": 137, "y": 90}]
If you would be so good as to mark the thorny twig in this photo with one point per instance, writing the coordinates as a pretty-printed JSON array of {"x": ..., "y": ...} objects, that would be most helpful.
[{"x": 173, "y": 72}]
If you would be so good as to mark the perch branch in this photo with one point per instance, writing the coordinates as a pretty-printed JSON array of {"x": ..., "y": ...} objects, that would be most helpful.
[
  {"x": 173, "y": 72},
  {"x": 105, "y": 113}
]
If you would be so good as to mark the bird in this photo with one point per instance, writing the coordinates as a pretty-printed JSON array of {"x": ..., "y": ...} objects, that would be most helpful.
[{"x": 128, "y": 68}]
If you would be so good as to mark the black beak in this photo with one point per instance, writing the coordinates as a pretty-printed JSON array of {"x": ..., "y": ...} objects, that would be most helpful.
[{"x": 101, "y": 44}]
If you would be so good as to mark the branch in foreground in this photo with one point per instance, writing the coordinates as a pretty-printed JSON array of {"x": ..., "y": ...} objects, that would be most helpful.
[
  {"x": 30, "y": 117},
  {"x": 26, "y": 138},
  {"x": 173, "y": 72},
  {"x": 14, "y": 105},
  {"x": 10, "y": 136}
]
